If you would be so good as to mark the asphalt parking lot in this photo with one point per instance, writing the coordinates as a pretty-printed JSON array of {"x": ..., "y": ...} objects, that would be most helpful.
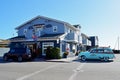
[{"x": 56, "y": 70}]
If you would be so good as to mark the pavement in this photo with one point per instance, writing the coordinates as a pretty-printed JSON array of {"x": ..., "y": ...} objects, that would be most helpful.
[
  {"x": 55, "y": 69},
  {"x": 71, "y": 57},
  {"x": 68, "y": 59}
]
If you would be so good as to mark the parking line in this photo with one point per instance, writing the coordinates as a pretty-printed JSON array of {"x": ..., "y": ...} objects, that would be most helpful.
[
  {"x": 37, "y": 72},
  {"x": 76, "y": 71}
]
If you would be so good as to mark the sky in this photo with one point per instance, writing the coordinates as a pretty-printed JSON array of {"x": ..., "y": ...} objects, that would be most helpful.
[{"x": 97, "y": 17}]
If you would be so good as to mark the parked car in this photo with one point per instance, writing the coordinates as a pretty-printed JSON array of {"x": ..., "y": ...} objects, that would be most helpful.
[
  {"x": 101, "y": 53},
  {"x": 19, "y": 54}
]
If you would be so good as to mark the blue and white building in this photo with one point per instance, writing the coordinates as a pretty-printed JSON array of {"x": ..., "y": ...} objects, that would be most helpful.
[
  {"x": 86, "y": 42},
  {"x": 94, "y": 41},
  {"x": 43, "y": 32}
]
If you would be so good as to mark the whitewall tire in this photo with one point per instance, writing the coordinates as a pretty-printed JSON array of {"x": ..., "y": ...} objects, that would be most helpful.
[{"x": 83, "y": 58}]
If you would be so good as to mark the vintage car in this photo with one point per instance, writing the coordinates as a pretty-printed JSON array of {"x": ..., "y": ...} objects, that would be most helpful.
[{"x": 101, "y": 53}]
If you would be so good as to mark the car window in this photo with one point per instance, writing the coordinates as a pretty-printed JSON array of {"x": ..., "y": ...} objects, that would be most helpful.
[
  {"x": 93, "y": 51},
  {"x": 100, "y": 50},
  {"x": 12, "y": 51},
  {"x": 18, "y": 50},
  {"x": 108, "y": 51},
  {"x": 21, "y": 50}
]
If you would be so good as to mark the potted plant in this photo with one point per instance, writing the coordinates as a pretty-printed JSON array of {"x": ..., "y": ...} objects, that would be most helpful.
[{"x": 65, "y": 54}]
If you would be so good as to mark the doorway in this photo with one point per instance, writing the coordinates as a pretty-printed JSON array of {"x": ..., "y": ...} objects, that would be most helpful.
[{"x": 45, "y": 45}]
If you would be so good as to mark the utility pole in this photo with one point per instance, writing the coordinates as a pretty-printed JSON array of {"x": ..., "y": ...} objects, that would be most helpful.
[{"x": 118, "y": 45}]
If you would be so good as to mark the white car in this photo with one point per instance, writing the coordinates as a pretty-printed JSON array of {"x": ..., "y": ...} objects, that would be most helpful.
[{"x": 101, "y": 53}]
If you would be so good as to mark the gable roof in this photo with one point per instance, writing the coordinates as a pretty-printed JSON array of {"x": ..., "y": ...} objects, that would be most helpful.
[{"x": 37, "y": 17}]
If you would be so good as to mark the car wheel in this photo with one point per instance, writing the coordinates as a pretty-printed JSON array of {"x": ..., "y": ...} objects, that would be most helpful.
[
  {"x": 106, "y": 58},
  {"x": 20, "y": 58},
  {"x": 83, "y": 58},
  {"x": 5, "y": 58}
]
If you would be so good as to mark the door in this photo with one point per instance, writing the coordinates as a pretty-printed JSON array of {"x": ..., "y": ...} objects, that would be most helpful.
[
  {"x": 45, "y": 45},
  {"x": 93, "y": 54}
]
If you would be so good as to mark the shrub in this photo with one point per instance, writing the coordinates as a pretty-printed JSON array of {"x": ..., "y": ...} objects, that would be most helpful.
[
  {"x": 65, "y": 54},
  {"x": 53, "y": 53},
  {"x": 48, "y": 52}
]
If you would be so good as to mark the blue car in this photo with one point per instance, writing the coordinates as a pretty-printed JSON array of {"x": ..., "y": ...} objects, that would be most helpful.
[{"x": 101, "y": 53}]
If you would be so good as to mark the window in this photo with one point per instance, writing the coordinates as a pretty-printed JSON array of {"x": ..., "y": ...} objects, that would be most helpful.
[
  {"x": 39, "y": 30},
  {"x": 25, "y": 31},
  {"x": 94, "y": 51},
  {"x": 71, "y": 31},
  {"x": 68, "y": 30},
  {"x": 30, "y": 27},
  {"x": 100, "y": 50},
  {"x": 108, "y": 51},
  {"x": 12, "y": 51},
  {"x": 54, "y": 28}
]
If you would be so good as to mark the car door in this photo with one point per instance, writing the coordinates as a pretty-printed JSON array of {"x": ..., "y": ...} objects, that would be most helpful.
[
  {"x": 93, "y": 54},
  {"x": 12, "y": 52},
  {"x": 100, "y": 53}
]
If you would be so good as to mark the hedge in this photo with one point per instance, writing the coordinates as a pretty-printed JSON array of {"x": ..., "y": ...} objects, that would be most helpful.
[{"x": 53, "y": 53}]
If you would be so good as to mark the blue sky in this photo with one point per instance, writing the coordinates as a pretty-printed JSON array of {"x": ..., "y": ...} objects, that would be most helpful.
[{"x": 97, "y": 17}]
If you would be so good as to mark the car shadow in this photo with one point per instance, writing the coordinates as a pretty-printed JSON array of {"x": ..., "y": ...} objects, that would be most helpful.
[
  {"x": 93, "y": 61},
  {"x": 15, "y": 61},
  {"x": 2, "y": 61}
]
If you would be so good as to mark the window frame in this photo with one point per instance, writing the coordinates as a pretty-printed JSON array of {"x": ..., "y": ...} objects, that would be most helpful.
[{"x": 55, "y": 28}]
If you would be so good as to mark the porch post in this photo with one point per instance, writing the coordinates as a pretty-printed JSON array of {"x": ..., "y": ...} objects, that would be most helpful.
[
  {"x": 75, "y": 48},
  {"x": 60, "y": 47}
]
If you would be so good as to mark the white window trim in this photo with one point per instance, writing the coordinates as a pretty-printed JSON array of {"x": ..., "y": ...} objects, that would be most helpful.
[
  {"x": 39, "y": 30},
  {"x": 45, "y": 45}
]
